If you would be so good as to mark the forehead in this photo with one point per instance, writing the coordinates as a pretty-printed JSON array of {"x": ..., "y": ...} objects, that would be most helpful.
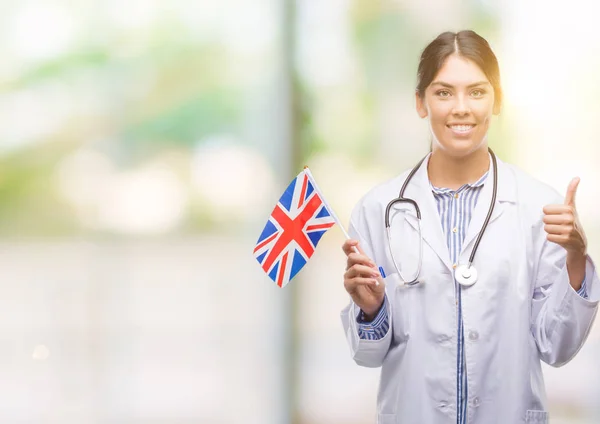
[{"x": 459, "y": 71}]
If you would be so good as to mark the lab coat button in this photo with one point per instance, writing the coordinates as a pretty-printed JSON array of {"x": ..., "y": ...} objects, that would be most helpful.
[
  {"x": 476, "y": 402},
  {"x": 473, "y": 335}
]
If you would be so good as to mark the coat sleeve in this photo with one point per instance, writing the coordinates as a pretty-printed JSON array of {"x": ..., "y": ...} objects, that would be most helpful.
[
  {"x": 561, "y": 318},
  {"x": 367, "y": 353}
]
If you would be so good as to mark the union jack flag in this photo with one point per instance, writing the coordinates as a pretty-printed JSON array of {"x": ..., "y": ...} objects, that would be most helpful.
[{"x": 293, "y": 230}]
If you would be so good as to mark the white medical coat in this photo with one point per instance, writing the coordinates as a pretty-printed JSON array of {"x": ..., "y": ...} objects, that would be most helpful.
[{"x": 521, "y": 311}]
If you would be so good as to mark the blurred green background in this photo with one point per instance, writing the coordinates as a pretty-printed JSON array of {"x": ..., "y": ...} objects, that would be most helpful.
[{"x": 143, "y": 145}]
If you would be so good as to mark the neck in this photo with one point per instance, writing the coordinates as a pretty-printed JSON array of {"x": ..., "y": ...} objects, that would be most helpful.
[{"x": 453, "y": 172}]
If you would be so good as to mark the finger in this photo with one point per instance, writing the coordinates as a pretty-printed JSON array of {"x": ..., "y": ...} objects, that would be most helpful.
[
  {"x": 560, "y": 219},
  {"x": 558, "y": 209},
  {"x": 348, "y": 246},
  {"x": 361, "y": 271},
  {"x": 352, "y": 283},
  {"x": 571, "y": 191},
  {"x": 362, "y": 252},
  {"x": 351, "y": 246},
  {"x": 558, "y": 229},
  {"x": 558, "y": 239},
  {"x": 356, "y": 258}
]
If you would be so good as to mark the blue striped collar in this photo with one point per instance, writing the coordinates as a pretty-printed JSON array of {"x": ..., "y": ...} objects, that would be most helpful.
[
  {"x": 441, "y": 190},
  {"x": 507, "y": 190}
]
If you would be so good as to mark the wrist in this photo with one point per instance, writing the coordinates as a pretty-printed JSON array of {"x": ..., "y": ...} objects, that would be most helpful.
[
  {"x": 576, "y": 263},
  {"x": 576, "y": 257},
  {"x": 370, "y": 314},
  {"x": 369, "y": 317}
]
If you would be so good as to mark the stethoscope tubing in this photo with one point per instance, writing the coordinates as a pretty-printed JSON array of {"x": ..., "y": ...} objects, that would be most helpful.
[{"x": 402, "y": 199}]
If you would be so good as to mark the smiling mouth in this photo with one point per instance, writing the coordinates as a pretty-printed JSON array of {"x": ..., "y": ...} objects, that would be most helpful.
[{"x": 461, "y": 128}]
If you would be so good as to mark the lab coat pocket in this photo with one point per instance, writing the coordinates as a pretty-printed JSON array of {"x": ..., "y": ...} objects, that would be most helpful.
[
  {"x": 386, "y": 418},
  {"x": 537, "y": 417}
]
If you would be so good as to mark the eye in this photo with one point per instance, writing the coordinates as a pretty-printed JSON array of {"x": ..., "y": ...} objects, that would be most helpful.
[
  {"x": 478, "y": 92},
  {"x": 443, "y": 93}
]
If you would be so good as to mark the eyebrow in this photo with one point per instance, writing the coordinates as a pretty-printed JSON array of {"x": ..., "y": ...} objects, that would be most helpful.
[{"x": 445, "y": 84}]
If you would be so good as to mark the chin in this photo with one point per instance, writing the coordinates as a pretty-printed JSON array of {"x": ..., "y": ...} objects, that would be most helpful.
[{"x": 460, "y": 147}]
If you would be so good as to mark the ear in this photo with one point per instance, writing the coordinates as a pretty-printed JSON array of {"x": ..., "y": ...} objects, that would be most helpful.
[{"x": 421, "y": 107}]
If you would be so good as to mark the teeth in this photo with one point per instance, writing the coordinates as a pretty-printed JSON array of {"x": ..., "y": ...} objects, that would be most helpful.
[{"x": 461, "y": 128}]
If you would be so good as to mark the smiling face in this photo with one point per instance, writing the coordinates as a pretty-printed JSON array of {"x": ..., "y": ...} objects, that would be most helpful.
[{"x": 459, "y": 104}]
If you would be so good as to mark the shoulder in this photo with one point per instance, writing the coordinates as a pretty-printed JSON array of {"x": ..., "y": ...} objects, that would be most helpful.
[
  {"x": 530, "y": 190},
  {"x": 531, "y": 195}
]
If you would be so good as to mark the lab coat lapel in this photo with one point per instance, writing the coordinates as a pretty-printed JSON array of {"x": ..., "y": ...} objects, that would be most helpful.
[
  {"x": 483, "y": 205},
  {"x": 419, "y": 189}
]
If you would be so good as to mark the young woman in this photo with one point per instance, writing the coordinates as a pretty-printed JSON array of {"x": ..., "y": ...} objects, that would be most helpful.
[{"x": 480, "y": 276}]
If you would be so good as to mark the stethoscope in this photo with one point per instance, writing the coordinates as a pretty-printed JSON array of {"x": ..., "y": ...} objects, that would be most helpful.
[{"x": 466, "y": 275}]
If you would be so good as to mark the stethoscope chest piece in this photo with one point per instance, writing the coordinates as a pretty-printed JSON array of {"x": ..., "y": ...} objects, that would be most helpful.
[{"x": 465, "y": 275}]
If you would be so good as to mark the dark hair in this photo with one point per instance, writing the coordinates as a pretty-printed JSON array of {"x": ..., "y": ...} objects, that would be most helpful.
[{"x": 467, "y": 44}]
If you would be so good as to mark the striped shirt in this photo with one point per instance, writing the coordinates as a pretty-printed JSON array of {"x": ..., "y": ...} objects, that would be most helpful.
[{"x": 455, "y": 208}]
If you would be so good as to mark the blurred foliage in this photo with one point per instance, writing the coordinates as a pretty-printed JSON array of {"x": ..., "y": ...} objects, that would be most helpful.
[
  {"x": 163, "y": 89},
  {"x": 62, "y": 67},
  {"x": 191, "y": 98},
  {"x": 29, "y": 202},
  {"x": 387, "y": 42},
  {"x": 212, "y": 111},
  {"x": 155, "y": 95}
]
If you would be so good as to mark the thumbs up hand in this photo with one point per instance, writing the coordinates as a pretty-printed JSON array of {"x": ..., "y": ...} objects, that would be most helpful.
[{"x": 563, "y": 226}]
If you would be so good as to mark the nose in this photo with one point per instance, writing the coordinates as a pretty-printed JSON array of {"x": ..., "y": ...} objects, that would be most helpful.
[{"x": 461, "y": 106}]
